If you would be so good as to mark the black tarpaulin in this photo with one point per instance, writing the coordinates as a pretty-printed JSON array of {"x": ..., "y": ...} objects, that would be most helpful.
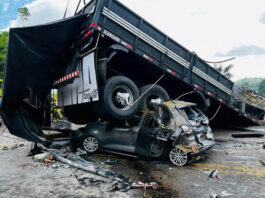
[{"x": 34, "y": 57}]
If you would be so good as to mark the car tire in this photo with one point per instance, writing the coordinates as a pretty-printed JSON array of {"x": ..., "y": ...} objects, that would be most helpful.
[
  {"x": 112, "y": 104},
  {"x": 89, "y": 143},
  {"x": 156, "y": 92}
]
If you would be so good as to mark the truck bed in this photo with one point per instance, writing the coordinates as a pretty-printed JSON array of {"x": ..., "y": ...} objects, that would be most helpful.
[{"x": 122, "y": 24}]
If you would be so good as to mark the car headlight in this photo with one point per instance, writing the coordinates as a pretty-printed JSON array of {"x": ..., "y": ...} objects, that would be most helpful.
[{"x": 186, "y": 129}]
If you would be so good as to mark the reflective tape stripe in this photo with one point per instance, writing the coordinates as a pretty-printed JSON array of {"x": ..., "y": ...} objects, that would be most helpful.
[
  {"x": 211, "y": 80},
  {"x": 67, "y": 77},
  {"x": 114, "y": 17}
]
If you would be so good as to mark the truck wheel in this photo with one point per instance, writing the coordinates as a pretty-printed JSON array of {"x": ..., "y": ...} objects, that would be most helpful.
[
  {"x": 89, "y": 143},
  {"x": 118, "y": 96},
  {"x": 155, "y": 95}
]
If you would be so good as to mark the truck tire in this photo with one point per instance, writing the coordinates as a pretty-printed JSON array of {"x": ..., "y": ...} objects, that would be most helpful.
[
  {"x": 156, "y": 93},
  {"x": 117, "y": 96}
]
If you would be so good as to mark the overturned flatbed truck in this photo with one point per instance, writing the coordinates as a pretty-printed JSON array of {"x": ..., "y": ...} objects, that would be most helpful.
[
  {"x": 127, "y": 44},
  {"x": 82, "y": 56}
]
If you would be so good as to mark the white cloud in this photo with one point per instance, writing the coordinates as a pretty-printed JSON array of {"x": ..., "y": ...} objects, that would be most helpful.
[
  {"x": 210, "y": 26},
  {"x": 44, "y": 11},
  {"x": 5, "y": 6}
]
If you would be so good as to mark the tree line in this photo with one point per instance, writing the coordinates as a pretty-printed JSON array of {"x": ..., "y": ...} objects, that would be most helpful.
[{"x": 3, "y": 48}]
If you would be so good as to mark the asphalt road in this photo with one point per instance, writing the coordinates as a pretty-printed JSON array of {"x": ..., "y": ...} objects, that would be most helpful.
[{"x": 240, "y": 173}]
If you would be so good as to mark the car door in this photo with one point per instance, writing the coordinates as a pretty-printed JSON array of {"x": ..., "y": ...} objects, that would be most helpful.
[{"x": 120, "y": 139}]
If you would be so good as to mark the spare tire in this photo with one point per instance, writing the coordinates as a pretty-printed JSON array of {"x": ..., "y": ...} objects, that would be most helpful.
[
  {"x": 155, "y": 95},
  {"x": 117, "y": 97}
]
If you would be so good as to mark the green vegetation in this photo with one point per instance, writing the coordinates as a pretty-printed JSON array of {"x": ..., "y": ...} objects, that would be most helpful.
[
  {"x": 3, "y": 45},
  {"x": 261, "y": 88},
  {"x": 250, "y": 82},
  {"x": 255, "y": 83},
  {"x": 23, "y": 14},
  {"x": 3, "y": 48},
  {"x": 225, "y": 70}
]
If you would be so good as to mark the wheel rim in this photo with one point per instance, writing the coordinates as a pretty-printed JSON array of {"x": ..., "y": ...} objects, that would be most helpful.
[
  {"x": 122, "y": 97},
  {"x": 178, "y": 157},
  {"x": 90, "y": 144},
  {"x": 152, "y": 100}
]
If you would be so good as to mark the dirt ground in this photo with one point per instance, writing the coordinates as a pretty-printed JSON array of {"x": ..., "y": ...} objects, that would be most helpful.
[{"x": 237, "y": 159}]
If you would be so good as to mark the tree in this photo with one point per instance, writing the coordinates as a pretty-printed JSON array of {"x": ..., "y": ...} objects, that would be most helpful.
[
  {"x": 3, "y": 46},
  {"x": 261, "y": 88},
  {"x": 224, "y": 70},
  {"x": 23, "y": 14}
]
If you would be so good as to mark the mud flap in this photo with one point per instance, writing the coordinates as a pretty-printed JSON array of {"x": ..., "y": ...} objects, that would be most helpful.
[{"x": 21, "y": 125}]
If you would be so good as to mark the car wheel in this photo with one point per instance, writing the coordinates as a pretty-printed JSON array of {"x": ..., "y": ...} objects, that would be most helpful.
[
  {"x": 178, "y": 157},
  {"x": 118, "y": 96},
  {"x": 156, "y": 94},
  {"x": 90, "y": 144}
]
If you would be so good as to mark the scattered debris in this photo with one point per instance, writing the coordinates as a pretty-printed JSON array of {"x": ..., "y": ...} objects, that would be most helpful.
[
  {"x": 213, "y": 174},
  {"x": 66, "y": 166},
  {"x": 111, "y": 161},
  {"x": 263, "y": 146},
  {"x": 122, "y": 183},
  {"x": 40, "y": 157},
  {"x": 195, "y": 185},
  {"x": 225, "y": 194},
  {"x": 14, "y": 146},
  {"x": 153, "y": 185},
  {"x": 21, "y": 145},
  {"x": 222, "y": 194},
  {"x": 263, "y": 163},
  {"x": 80, "y": 152},
  {"x": 5, "y": 148},
  {"x": 120, "y": 186},
  {"x": 105, "y": 184},
  {"x": 248, "y": 135},
  {"x": 213, "y": 195},
  {"x": 35, "y": 149},
  {"x": 87, "y": 181},
  {"x": 55, "y": 166}
]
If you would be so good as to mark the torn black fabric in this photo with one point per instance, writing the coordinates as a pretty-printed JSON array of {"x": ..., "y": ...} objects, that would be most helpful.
[
  {"x": 21, "y": 125},
  {"x": 34, "y": 55}
]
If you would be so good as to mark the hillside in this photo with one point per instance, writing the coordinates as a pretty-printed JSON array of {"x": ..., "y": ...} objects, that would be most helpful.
[{"x": 250, "y": 82}]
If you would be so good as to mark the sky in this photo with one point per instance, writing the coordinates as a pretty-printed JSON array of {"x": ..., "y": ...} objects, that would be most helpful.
[{"x": 215, "y": 30}]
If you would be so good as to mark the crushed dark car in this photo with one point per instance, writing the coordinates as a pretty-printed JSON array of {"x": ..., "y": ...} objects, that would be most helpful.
[{"x": 174, "y": 130}]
